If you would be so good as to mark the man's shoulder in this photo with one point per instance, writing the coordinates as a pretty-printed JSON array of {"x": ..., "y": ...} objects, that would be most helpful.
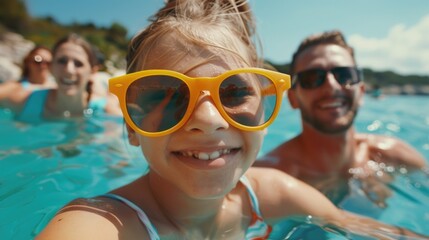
[
  {"x": 288, "y": 148},
  {"x": 393, "y": 150},
  {"x": 284, "y": 157}
]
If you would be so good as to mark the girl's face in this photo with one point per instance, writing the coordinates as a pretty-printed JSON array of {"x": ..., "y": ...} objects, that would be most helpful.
[
  {"x": 71, "y": 68},
  {"x": 207, "y": 156}
]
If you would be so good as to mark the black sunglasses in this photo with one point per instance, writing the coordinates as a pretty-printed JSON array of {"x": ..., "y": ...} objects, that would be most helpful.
[{"x": 313, "y": 78}]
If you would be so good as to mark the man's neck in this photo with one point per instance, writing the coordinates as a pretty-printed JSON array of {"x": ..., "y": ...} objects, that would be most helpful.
[{"x": 327, "y": 153}]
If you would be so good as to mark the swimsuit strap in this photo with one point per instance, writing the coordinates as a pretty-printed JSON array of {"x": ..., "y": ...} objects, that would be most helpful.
[
  {"x": 153, "y": 234},
  {"x": 34, "y": 106},
  {"x": 98, "y": 105},
  {"x": 258, "y": 229}
]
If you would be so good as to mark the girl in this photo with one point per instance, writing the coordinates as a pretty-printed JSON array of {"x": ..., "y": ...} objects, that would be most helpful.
[{"x": 195, "y": 104}]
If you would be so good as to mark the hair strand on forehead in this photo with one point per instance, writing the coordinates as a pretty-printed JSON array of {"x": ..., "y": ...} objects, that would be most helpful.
[
  {"x": 227, "y": 25},
  {"x": 330, "y": 37}
]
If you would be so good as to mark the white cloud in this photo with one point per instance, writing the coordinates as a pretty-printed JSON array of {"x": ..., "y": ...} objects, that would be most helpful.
[{"x": 404, "y": 50}]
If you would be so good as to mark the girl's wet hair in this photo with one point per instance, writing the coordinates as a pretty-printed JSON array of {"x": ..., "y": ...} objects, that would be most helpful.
[
  {"x": 330, "y": 37},
  {"x": 226, "y": 25}
]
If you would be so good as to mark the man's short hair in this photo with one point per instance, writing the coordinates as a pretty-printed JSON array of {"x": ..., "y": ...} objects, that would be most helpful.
[{"x": 330, "y": 37}]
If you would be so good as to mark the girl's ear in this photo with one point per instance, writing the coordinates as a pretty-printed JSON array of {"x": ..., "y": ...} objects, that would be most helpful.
[
  {"x": 133, "y": 138},
  {"x": 291, "y": 95}
]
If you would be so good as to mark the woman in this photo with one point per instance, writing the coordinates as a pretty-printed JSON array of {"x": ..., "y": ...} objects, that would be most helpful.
[
  {"x": 35, "y": 71},
  {"x": 35, "y": 75}
]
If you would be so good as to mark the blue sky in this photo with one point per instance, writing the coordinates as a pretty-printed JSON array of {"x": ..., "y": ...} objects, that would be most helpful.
[{"x": 386, "y": 34}]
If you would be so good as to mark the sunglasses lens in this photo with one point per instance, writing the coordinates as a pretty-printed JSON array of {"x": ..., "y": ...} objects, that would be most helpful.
[
  {"x": 311, "y": 78},
  {"x": 346, "y": 75},
  {"x": 157, "y": 103},
  {"x": 248, "y": 98},
  {"x": 314, "y": 78}
]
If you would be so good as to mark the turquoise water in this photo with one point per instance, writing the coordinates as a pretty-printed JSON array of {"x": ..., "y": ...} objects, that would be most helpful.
[{"x": 44, "y": 166}]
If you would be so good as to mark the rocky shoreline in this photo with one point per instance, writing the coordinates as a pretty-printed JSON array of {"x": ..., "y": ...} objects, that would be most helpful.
[
  {"x": 406, "y": 89},
  {"x": 13, "y": 49}
]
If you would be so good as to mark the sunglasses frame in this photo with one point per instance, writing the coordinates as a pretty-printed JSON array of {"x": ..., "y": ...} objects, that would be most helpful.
[
  {"x": 296, "y": 79},
  {"x": 119, "y": 86}
]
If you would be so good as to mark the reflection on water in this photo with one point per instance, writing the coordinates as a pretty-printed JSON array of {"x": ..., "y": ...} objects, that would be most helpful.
[
  {"x": 298, "y": 228},
  {"x": 46, "y": 165}
]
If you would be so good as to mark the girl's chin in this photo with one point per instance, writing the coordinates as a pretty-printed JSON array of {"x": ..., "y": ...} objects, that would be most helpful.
[{"x": 204, "y": 192}]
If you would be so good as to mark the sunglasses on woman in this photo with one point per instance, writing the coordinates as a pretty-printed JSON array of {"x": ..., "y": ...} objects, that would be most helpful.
[
  {"x": 158, "y": 102},
  {"x": 313, "y": 78},
  {"x": 38, "y": 60}
]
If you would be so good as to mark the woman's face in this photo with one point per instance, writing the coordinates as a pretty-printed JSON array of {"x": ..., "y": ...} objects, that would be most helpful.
[
  {"x": 71, "y": 68},
  {"x": 38, "y": 66},
  {"x": 207, "y": 156}
]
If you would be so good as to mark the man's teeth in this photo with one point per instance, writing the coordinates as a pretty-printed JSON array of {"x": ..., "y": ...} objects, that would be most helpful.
[
  {"x": 332, "y": 104},
  {"x": 206, "y": 155}
]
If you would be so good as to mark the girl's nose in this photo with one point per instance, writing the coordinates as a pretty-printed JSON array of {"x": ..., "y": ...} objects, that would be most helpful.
[{"x": 206, "y": 117}]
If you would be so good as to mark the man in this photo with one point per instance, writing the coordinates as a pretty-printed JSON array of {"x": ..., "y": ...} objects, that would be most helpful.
[{"x": 328, "y": 90}]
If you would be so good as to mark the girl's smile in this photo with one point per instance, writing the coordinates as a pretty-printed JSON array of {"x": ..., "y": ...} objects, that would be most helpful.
[{"x": 206, "y": 159}]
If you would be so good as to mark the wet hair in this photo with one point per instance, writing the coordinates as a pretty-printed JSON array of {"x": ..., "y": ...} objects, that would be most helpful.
[
  {"x": 87, "y": 47},
  {"x": 330, "y": 37},
  {"x": 224, "y": 25},
  {"x": 29, "y": 58}
]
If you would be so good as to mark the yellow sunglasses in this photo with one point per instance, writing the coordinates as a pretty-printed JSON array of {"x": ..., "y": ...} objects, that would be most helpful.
[{"x": 158, "y": 102}]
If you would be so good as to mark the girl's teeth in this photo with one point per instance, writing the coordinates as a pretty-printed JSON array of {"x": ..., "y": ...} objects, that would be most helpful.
[
  {"x": 205, "y": 155},
  {"x": 202, "y": 156},
  {"x": 68, "y": 81}
]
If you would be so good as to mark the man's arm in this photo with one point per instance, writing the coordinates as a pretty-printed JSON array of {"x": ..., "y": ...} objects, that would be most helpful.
[
  {"x": 394, "y": 150},
  {"x": 287, "y": 197}
]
